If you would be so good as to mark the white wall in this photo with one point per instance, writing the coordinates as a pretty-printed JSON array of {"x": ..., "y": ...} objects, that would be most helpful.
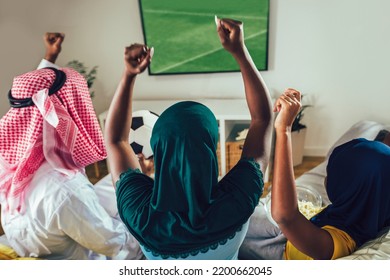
[{"x": 335, "y": 51}]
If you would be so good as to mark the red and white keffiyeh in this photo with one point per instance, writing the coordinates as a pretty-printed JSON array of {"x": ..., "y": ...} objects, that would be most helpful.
[{"x": 61, "y": 129}]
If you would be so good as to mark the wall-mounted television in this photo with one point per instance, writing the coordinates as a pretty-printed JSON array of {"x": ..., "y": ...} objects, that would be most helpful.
[{"x": 183, "y": 34}]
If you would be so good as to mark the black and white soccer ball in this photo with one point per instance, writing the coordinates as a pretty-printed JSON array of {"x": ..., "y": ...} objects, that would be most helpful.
[{"x": 141, "y": 132}]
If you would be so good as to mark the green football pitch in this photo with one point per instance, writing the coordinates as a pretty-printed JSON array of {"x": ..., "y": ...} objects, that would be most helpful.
[{"x": 183, "y": 34}]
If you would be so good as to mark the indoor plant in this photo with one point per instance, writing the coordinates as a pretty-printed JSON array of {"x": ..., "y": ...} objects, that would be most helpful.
[
  {"x": 298, "y": 136},
  {"x": 297, "y": 124},
  {"x": 89, "y": 76}
]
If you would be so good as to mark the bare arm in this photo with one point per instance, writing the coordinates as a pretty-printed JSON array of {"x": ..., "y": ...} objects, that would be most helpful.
[
  {"x": 120, "y": 154},
  {"x": 258, "y": 142},
  {"x": 305, "y": 236}
]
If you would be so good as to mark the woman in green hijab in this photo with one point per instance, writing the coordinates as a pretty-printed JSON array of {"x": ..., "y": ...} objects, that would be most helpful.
[{"x": 185, "y": 213}]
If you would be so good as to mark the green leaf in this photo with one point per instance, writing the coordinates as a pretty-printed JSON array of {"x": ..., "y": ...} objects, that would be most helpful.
[
  {"x": 83, "y": 70},
  {"x": 297, "y": 125}
]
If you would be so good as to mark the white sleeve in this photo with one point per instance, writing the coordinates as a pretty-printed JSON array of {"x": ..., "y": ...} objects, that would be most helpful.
[
  {"x": 45, "y": 63},
  {"x": 84, "y": 220},
  {"x": 106, "y": 194}
]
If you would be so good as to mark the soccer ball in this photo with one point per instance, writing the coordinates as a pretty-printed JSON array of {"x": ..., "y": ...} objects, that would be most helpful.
[{"x": 141, "y": 132}]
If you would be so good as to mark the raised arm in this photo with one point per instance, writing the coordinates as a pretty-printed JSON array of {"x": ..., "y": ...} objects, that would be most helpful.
[
  {"x": 305, "y": 236},
  {"x": 258, "y": 141},
  {"x": 53, "y": 46},
  {"x": 53, "y": 42},
  {"x": 120, "y": 154}
]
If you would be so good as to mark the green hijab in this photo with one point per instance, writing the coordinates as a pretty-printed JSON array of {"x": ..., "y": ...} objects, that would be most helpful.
[
  {"x": 184, "y": 142},
  {"x": 186, "y": 209}
]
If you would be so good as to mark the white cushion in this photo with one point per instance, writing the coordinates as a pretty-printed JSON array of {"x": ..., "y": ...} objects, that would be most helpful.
[{"x": 376, "y": 249}]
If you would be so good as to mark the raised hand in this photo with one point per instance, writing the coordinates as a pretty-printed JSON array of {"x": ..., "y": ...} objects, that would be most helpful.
[
  {"x": 231, "y": 34},
  {"x": 53, "y": 42},
  {"x": 137, "y": 58},
  {"x": 288, "y": 106}
]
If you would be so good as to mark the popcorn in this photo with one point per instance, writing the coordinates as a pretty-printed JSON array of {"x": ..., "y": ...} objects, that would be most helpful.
[{"x": 308, "y": 209}]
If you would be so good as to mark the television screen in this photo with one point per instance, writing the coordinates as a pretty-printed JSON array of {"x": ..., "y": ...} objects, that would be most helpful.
[{"x": 183, "y": 34}]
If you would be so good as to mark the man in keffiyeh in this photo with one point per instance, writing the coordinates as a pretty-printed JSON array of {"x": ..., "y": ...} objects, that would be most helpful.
[{"x": 47, "y": 138}]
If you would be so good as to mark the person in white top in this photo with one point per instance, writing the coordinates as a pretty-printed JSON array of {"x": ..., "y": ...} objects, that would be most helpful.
[{"x": 49, "y": 208}]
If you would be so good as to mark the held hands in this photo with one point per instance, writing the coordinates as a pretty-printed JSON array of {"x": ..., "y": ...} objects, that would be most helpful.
[
  {"x": 53, "y": 41},
  {"x": 231, "y": 34},
  {"x": 137, "y": 58},
  {"x": 288, "y": 106}
]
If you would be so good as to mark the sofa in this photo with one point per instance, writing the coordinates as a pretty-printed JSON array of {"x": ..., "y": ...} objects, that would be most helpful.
[{"x": 376, "y": 249}]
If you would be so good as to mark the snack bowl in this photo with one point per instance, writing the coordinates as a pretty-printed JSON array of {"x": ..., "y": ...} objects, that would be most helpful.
[{"x": 309, "y": 202}]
